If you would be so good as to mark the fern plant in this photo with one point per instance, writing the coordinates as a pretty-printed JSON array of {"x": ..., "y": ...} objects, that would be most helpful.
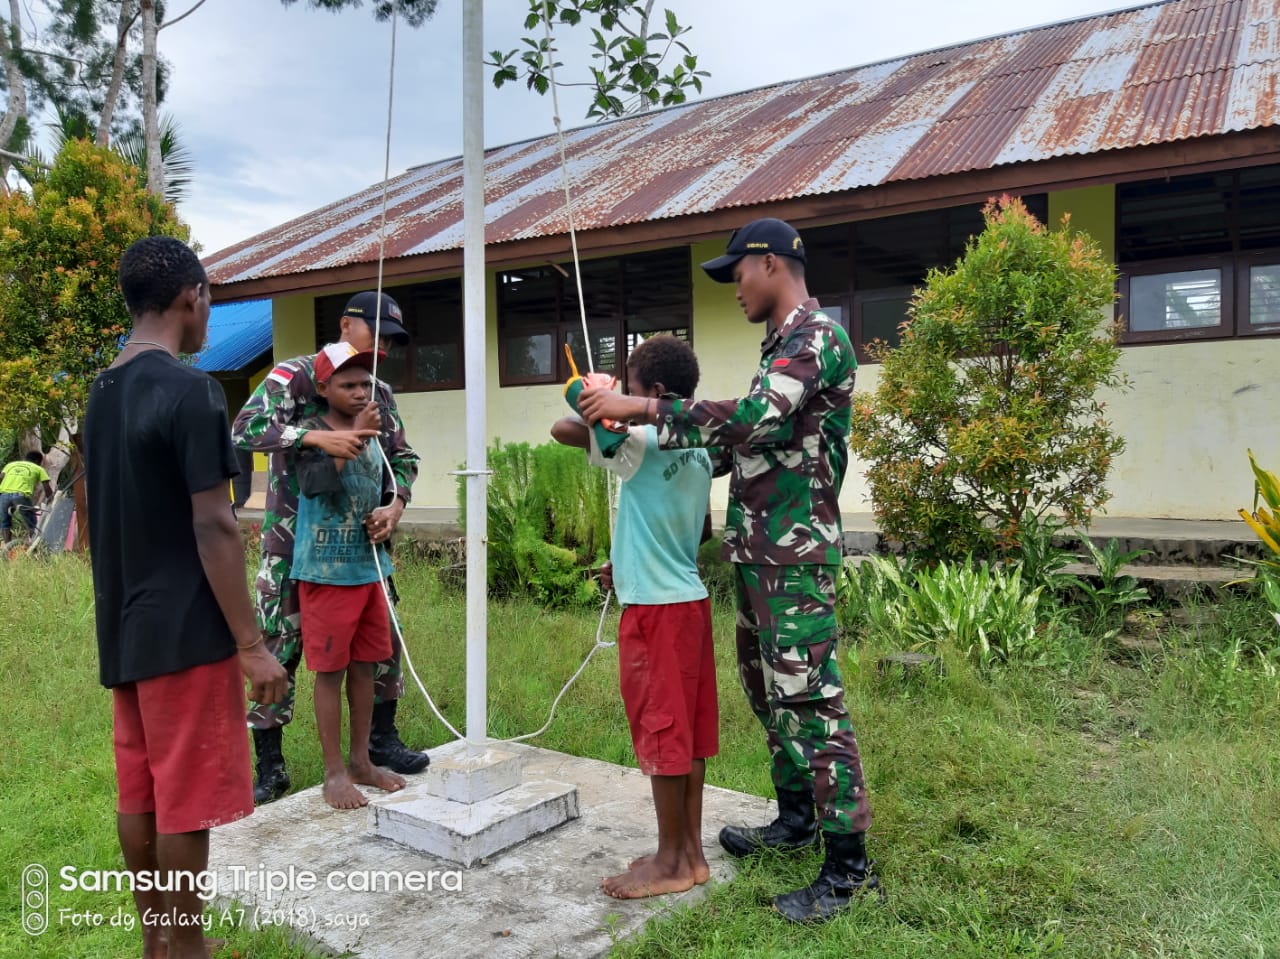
[{"x": 548, "y": 515}]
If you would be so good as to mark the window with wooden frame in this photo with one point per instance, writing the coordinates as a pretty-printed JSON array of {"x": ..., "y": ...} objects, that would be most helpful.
[
  {"x": 865, "y": 273},
  {"x": 432, "y": 316},
  {"x": 1199, "y": 255},
  {"x": 627, "y": 300}
]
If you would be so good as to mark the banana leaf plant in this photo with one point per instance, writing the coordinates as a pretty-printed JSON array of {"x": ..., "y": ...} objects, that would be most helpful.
[{"x": 1265, "y": 520}]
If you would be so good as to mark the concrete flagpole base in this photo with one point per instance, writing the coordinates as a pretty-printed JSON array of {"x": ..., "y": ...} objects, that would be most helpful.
[{"x": 471, "y": 803}]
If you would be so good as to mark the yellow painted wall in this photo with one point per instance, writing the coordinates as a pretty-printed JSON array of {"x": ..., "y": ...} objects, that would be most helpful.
[
  {"x": 1193, "y": 410},
  {"x": 1092, "y": 210},
  {"x": 293, "y": 326},
  {"x": 260, "y": 459},
  {"x": 436, "y": 424},
  {"x": 728, "y": 346}
]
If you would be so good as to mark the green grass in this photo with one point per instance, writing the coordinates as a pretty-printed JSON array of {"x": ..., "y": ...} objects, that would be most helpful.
[{"x": 1107, "y": 810}]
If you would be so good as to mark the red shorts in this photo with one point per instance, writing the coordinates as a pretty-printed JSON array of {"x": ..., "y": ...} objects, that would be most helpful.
[
  {"x": 343, "y": 624},
  {"x": 182, "y": 751},
  {"x": 667, "y": 671}
]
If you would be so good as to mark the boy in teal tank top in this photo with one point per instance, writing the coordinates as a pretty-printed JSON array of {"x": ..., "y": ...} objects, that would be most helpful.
[
  {"x": 665, "y": 658},
  {"x": 346, "y": 625}
]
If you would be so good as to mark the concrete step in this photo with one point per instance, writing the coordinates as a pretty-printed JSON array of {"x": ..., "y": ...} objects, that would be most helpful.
[
  {"x": 1168, "y": 542},
  {"x": 1176, "y": 581}
]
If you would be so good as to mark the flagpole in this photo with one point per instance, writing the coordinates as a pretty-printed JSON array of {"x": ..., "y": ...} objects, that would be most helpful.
[{"x": 473, "y": 296}]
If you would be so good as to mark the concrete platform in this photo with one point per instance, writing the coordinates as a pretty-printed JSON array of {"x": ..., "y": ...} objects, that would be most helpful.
[
  {"x": 300, "y": 862},
  {"x": 472, "y": 804}
]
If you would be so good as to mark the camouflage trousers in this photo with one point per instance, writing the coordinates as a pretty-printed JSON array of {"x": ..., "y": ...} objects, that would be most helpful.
[
  {"x": 786, "y": 633},
  {"x": 276, "y": 605}
]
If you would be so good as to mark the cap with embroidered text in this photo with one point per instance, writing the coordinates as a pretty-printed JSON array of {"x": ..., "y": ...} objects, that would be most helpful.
[
  {"x": 758, "y": 237},
  {"x": 365, "y": 306}
]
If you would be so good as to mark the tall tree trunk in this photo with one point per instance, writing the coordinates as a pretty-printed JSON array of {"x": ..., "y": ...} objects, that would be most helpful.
[
  {"x": 16, "y": 107},
  {"x": 150, "y": 112},
  {"x": 128, "y": 11},
  {"x": 643, "y": 105}
]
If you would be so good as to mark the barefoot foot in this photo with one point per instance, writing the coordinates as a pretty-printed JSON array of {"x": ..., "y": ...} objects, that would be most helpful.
[
  {"x": 340, "y": 792},
  {"x": 648, "y": 879},
  {"x": 367, "y": 774},
  {"x": 701, "y": 871}
]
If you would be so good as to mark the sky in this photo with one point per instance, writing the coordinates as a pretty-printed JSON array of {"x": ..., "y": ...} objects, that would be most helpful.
[{"x": 285, "y": 108}]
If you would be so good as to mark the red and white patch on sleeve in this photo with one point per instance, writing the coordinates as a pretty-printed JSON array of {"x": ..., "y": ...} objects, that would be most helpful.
[{"x": 281, "y": 374}]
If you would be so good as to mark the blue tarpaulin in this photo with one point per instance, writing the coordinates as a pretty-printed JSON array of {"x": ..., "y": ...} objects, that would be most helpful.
[{"x": 238, "y": 334}]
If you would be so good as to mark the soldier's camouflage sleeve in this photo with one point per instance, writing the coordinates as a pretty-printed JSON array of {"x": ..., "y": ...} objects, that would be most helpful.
[
  {"x": 787, "y": 441},
  {"x": 808, "y": 362},
  {"x": 404, "y": 460},
  {"x": 721, "y": 460},
  {"x": 285, "y": 398},
  {"x": 272, "y": 407}
]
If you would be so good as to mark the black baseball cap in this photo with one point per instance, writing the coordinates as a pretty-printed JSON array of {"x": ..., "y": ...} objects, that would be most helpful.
[
  {"x": 757, "y": 237},
  {"x": 365, "y": 306}
]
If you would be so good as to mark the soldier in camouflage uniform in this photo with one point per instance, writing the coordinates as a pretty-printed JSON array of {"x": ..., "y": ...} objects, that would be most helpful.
[
  {"x": 270, "y": 423},
  {"x": 786, "y": 444}
]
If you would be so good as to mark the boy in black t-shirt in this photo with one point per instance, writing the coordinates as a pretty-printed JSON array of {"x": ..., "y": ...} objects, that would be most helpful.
[{"x": 176, "y": 633}]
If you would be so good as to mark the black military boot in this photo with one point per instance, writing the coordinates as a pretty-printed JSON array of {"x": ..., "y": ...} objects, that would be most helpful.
[
  {"x": 795, "y": 828},
  {"x": 272, "y": 780},
  {"x": 385, "y": 747},
  {"x": 845, "y": 874}
]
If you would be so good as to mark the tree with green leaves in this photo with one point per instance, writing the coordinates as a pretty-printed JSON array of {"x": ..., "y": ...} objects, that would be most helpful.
[
  {"x": 62, "y": 316},
  {"x": 81, "y": 57},
  {"x": 23, "y": 79},
  {"x": 629, "y": 55},
  {"x": 413, "y": 12},
  {"x": 988, "y": 411}
]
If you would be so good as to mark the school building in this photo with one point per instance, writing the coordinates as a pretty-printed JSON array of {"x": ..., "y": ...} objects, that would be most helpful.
[{"x": 1156, "y": 128}]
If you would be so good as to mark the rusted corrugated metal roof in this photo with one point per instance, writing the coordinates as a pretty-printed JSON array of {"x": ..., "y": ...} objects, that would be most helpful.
[{"x": 1166, "y": 71}]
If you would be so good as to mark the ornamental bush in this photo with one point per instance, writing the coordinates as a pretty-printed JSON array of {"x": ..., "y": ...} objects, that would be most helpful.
[
  {"x": 62, "y": 315},
  {"x": 988, "y": 410}
]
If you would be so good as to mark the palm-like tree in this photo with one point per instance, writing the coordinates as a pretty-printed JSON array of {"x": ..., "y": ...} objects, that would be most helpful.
[
  {"x": 175, "y": 157},
  {"x": 71, "y": 123}
]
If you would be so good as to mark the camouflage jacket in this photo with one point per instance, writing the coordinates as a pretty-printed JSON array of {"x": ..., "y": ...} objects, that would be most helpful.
[
  {"x": 271, "y": 422},
  {"x": 787, "y": 443}
]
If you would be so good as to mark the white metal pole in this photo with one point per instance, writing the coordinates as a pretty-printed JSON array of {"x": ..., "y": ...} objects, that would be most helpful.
[{"x": 473, "y": 287}]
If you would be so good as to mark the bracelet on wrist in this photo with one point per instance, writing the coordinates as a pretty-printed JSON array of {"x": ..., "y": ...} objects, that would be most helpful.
[{"x": 249, "y": 646}]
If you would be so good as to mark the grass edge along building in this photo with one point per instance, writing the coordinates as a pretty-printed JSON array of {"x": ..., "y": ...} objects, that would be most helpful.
[{"x": 1157, "y": 128}]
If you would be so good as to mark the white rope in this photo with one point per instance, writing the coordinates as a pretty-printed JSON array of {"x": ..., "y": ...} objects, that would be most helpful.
[
  {"x": 564, "y": 177},
  {"x": 377, "y": 330},
  {"x": 382, "y": 223}
]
